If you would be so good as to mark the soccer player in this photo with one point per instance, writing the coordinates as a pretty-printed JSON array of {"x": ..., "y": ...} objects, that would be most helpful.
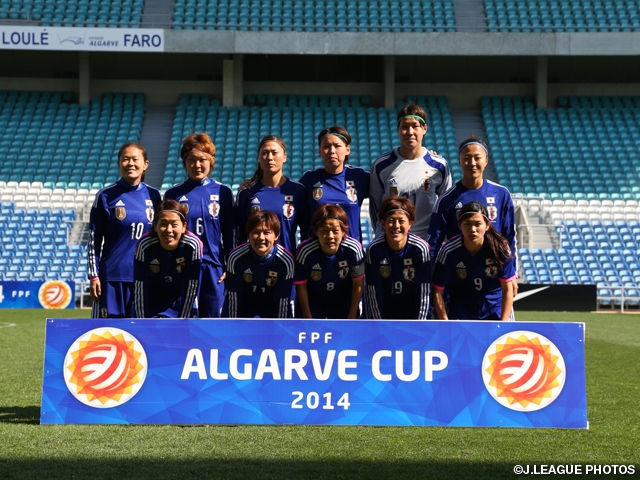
[
  {"x": 477, "y": 269},
  {"x": 473, "y": 155},
  {"x": 260, "y": 272},
  {"x": 329, "y": 274},
  {"x": 210, "y": 213},
  {"x": 397, "y": 269},
  {"x": 271, "y": 190},
  {"x": 120, "y": 215},
  {"x": 337, "y": 183},
  {"x": 409, "y": 171},
  {"x": 167, "y": 266}
]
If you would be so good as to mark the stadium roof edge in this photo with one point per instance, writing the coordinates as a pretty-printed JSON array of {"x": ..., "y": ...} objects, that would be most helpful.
[{"x": 347, "y": 43}]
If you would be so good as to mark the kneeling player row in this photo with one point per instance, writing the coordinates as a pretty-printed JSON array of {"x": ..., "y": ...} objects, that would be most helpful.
[{"x": 472, "y": 276}]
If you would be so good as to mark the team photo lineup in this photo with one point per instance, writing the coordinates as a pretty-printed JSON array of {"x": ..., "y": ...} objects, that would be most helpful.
[{"x": 441, "y": 250}]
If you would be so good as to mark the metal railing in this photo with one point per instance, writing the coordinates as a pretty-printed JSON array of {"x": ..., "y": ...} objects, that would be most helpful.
[{"x": 619, "y": 302}]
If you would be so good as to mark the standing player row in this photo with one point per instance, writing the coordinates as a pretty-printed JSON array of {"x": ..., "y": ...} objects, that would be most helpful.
[{"x": 213, "y": 218}]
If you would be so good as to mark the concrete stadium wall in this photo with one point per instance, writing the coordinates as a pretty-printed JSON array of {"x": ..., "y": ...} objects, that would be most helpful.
[{"x": 346, "y": 43}]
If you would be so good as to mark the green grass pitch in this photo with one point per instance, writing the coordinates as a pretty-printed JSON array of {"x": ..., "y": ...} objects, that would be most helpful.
[{"x": 29, "y": 450}]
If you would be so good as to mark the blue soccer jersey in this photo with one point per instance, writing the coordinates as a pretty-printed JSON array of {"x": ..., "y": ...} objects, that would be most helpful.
[
  {"x": 497, "y": 199},
  {"x": 473, "y": 282},
  {"x": 211, "y": 217},
  {"x": 167, "y": 282},
  {"x": 348, "y": 189},
  {"x": 329, "y": 278},
  {"x": 397, "y": 283},
  {"x": 120, "y": 215},
  {"x": 258, "y": 286},
  {"x": 288, "y": 202},
  {"x": 420, "y": 180}
]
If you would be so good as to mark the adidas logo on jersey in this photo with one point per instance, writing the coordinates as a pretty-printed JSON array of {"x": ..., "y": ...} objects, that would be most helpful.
[
  {"x": 183, "y": 199},
  {"x": 317, "y": 185},
  {"x": 155, "y": 262},
  {"x": 317, "y": 267},
  {"x": 460, "y": 265},
  {"x": 120, "y": 203},
  {"x": 248, "y": 270},
  {"x": 255, "y": 201},
  {"x": 458, "y": 205}
]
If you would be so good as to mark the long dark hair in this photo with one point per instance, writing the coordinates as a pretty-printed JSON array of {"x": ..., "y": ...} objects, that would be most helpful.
[{"x": 499, "y": 248}]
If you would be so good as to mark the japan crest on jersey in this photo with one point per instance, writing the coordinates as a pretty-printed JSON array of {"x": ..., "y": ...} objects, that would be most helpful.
[
  {"x": 180, "y": 264},
  {"x": 491, "y": 271},
  {"x": 409, "y": 273},
  {"x": 493, "y": 212},
  {"x": 272, "y": 278},
  {"x": 149, "y": 213},
  {"x": 288, "y": 210},
  {"x": 214, "y": 206},
  {"x": 214, "y": 209},
  {"x": 352, "y": 193},
  {"x": 343, "y": 269},
  {"x": 426, "y": 182}
]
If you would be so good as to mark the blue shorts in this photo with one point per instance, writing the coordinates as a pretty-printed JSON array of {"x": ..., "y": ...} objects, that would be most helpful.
[
  {"x": 116, "y": 300},
  {"x": 211, "y": 295}
]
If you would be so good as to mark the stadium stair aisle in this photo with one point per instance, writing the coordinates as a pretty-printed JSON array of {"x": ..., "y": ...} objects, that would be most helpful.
[
  {"x": 157, "y": 13},
  {"x": 155, "y": 137},
  {"x": 470, "y": 15}
]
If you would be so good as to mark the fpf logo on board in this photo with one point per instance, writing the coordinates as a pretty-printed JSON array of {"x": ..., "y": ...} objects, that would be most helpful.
[
  {"x": 523, "y": 371},
  {"x": 105, "y": 367}
]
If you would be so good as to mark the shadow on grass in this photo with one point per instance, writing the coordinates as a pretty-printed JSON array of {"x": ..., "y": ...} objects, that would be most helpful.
[
  {"x": 27, "y": 415},
  {"x": 254, "y": 469}
]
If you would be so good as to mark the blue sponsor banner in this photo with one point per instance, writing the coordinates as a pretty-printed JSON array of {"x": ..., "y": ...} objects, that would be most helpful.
[
  {"x": 509, "y": 374},
  {"x": 54, "y": 294}
]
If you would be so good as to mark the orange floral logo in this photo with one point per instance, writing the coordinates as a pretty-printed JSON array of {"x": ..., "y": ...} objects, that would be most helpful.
[
  {"x": 55, "y": 294},
  {"x": 523, "y": 371},
  {"x": 105, "y": 367}
]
